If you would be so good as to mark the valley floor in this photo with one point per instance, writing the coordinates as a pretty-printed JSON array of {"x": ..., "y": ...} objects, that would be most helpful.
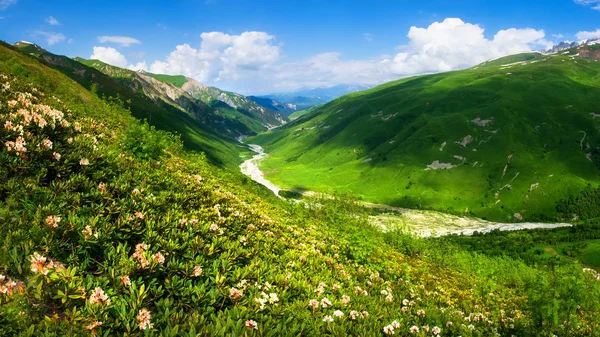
[{"x": 416, "y": 221}]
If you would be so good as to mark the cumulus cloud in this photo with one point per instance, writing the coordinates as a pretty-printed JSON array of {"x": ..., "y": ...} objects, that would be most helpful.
[
  {"x": 594, "y": 3},
  {"x": 51, "y": 37},
  {"x": 124, "y": 41},
  {"x": 4, "y": 4},
  {"x": 252, "y": 62},
  {"x": 109, "y": 55},
  {"x": 588, "y": 35},
  {"x": 52, "y": 21},
  {"x": 221, "y": 56}
]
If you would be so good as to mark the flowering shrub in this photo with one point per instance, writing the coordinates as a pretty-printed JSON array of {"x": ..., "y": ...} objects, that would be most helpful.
[{"x": 98, "y": 238}]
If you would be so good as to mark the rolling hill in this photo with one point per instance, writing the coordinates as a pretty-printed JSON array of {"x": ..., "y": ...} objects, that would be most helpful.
[
  {"x": 196, "y": 128},
  {"x": 109, "y": 227},
  {"x": 503, "y": 140}
]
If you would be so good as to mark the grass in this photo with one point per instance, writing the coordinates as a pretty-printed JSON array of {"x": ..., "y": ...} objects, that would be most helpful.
[
  {"x": 377, "y": 144},
  {"x": 111, "y": 227}
]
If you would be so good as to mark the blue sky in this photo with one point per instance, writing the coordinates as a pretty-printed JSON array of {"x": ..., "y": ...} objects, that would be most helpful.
[{"x": 264, "y": 46}]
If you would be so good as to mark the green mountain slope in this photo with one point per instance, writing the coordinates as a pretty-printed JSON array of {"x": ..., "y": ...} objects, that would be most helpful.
[
  {"x": 307, "y": 111},
  {"x": 258, "y": 117},
  {"x": 502, "y": 140},
  {"x": 162, "y": 90},
  {"x": 110, "y": 228},
  {"x": 166, "y": 116}
]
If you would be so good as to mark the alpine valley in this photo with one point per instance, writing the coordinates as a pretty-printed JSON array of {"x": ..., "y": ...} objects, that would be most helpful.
[{"x": 451, "y": 189}]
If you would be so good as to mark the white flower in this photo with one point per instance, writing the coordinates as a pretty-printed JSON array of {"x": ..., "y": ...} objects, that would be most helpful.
[
  {"x": 338, "y": 313},
  {"x": 328, "y": 319},
  {"x": 414, "y": 329},
  {"x": 388, "y": 330}
]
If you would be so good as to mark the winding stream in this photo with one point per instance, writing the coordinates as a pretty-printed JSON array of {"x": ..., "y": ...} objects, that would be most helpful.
[{"x": 417, "y": 221}]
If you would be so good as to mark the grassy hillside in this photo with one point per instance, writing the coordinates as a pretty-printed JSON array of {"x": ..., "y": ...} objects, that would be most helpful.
[
  {"x": 301, "y": 113},
  {"x": 176, "y": 80},
  {"x": 223, "y": 151},
  {"x": 501, "y": 141},
  {"x": 108, "y": 227},
  {"x": 165, "y": 92}
]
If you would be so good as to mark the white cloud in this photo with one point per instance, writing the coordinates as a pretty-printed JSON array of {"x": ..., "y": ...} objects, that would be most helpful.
[
  {"x": 588, "y": 35},
  {"x": 124, "y": 41},
  {"x": 4, "y": 4},
  {"x": 252, "y": 62},
  {"x": 594, "y": 3},
  {"x": 114, "y": 57},
  {"x": 51, "y": 37},
  {"x": 221, "y": 56},
  {"x": 52, "y": 21},
  {"x": 109, "y": 55},
  {"x": 139, "y": 66},
  {"x": 557, "y": 36}
]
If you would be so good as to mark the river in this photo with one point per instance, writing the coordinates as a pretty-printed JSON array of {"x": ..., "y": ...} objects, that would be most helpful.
[{"x": 417, "y": 221}]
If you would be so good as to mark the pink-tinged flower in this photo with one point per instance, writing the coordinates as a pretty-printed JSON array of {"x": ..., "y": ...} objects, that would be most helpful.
[
  {"x": 388, "y": 330},
  {"x": 99, "y": 297},
  {"x": 102, "y": 187},
  {"x": 92, "y": 326},
  {"x": 365, "y": 314},
  {"x": 70, "y": 140},
  {"x": 353, "y": 315},
  {"x": 414, "y": 329},
  {"x": 251, "y": 227},
  {"x": 125, "y": 280},
  {"x": 421, "y": 313},
  {"x": 243, "y": 240},
  {"x": 313, "y": 304},
  {"x": 84, "y": 162},
  {"x": 135, "y": 191},
  {"x": 345, "y": 299},
  {"x": 159, "y": 258},
  {"x": 198, "y": 178},
  {"x": 235, "y": 293},
  {"x": 250, "y": 324},
  {"x": 139, "y": 215},
  {"x": 12, "y": 103},
  {"x": 52, "y": 221},
  {"x": 436, "y": 330},
  {"x": 197, "y": 271},
  {"x": 404, "y": 309},
  {"x": 328, "y": 319},
  {"x": 389, "y": 298},
  {"x": 213, "y": 228},
  {"x": 38, "y": 264},
  {"x": 8, "y": 125},
  {"x": 325, "y": 302},
  {"x": 426, "y": 328},
  {"x": 335, "y": 287},
  {"x": 77, "y": 126},
  {"x": 449, "y": 324},
  {"x": 395, "y": 325},
  {"x": 143, "y": 318},
  {"x": 338, "y": 314},
  {"x": 47, "y": 144},
  {"x": 56, "y": 156}
]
